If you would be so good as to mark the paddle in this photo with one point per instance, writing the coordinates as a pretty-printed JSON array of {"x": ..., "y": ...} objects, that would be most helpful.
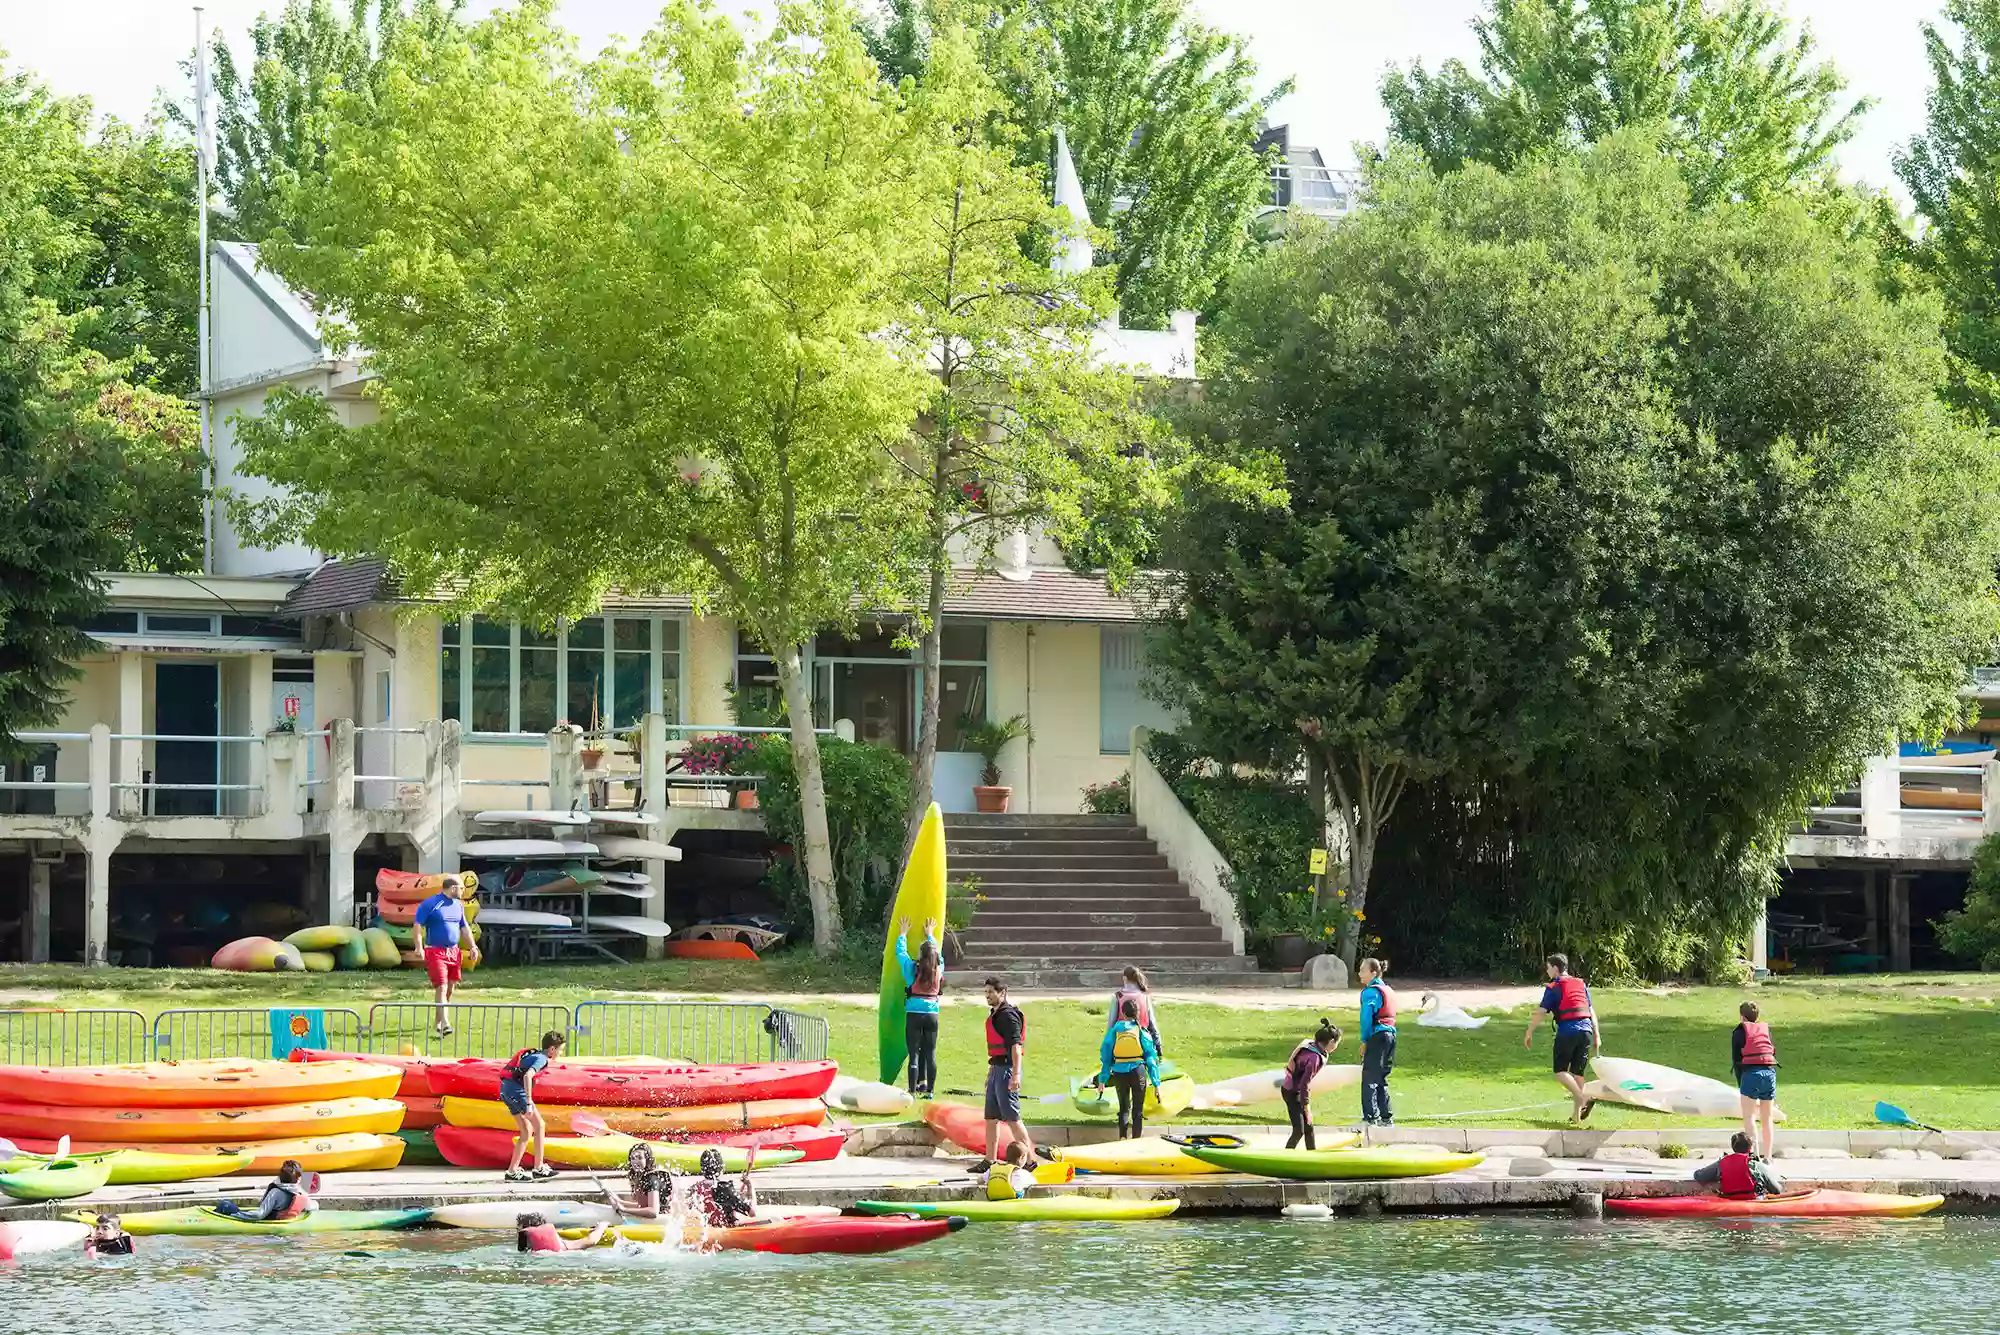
[
  {"x": 1026, "y": 1098},
  {"x": 1890, "y": 1115},
  {"x": 1531, "y": 1166}
]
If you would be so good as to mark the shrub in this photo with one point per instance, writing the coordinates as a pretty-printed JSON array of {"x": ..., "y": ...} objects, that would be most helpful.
[
  {"x": 1110, "y": 799},
  {"x": 1973, "y": 933},
  {"x": 1262, "y": 826}
]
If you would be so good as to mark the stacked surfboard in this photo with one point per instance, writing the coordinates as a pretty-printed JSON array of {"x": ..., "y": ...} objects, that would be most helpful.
[
  {"x": 245, "y": 1116},
  {"x": 596, "y": 1110}
]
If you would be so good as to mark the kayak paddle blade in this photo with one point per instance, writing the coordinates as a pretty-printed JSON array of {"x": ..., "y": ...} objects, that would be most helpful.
[
  {"x": 1891, "y": 1115},
  {"x": 62, "y": 1148},
  {"x": 589, "y": 1124}
]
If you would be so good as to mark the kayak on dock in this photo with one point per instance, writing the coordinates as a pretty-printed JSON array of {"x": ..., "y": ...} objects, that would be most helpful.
[
  {"x": 1027, "y": 1208},
  {"x": 1239, "y": 1156},
  {"x": 1813, "y": 1204},
  {"x": 206, "y": 1222},
  {"x": 56, "y": 1179},
  {"x": 146, "y": 1167}
]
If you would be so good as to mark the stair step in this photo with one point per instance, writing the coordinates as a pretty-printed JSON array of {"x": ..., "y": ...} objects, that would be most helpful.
[
  {"x": 1086, "y": 978},
  {"x": 1136, "y": 846},
  {"x": 963, "y": 820},
  {"x": 1125, "y": 948},
  {"x": 980, "y": 934},
  {"x": 1015, "y": 916},
  {"x": 1071, "y": 862},
  {"x": 1050, "y": 834}
]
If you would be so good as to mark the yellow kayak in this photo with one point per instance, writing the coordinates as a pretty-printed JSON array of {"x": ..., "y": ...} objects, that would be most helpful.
[
  {"x": 1154, "y": 1156},
  {"x": 1171, "y": 1099},
  {"x": 131, "y": 1168}
]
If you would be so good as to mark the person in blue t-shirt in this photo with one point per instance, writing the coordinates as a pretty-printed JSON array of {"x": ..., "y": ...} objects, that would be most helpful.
[
  {"x": 1579, "y": 1036},
  {"x": 440, "y": 926},
  {"x": 923, "y": 984}
]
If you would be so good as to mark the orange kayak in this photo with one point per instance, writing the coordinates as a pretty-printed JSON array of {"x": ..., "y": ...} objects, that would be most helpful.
[
  {"x": 229, "y": 1082},
  {"x": 646, "y": 1121},
  {"x": 285, "y": 1121},
  {"x": 352, "y": 1153}
]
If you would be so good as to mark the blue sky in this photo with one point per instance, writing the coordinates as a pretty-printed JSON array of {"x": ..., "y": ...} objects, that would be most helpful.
[{"x": 119, "y": 51}]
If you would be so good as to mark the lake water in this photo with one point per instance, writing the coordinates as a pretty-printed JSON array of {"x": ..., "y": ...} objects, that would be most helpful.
[{"x": 1486, "y": 1275}]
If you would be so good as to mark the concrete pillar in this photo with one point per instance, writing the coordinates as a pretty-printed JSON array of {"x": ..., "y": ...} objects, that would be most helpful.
[
  {"x": 1760, "y": 939},
  {"x": 131, "y": 722},
  {"x": 35, "y": 922},
  {"x": 451, "y": 793},
  {"x": 1882, "y": 799},
  {"x": 345, "y": 826},
  {"x": 1871, "y": 901},
  {"x": 101, "y": 837},
  {"x": 1989, "y": 798},
  {"x": 653, "y": 797},
  {"x": 566, "y": 787},
  {"x": 1899, "y": 922}
]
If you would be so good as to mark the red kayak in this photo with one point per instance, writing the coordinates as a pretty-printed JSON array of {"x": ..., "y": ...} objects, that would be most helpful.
[
  {"x": 839, "y": 1233},
  {"x": 1792, "y": 1205},
  {"x": 642, "y": 1086}
]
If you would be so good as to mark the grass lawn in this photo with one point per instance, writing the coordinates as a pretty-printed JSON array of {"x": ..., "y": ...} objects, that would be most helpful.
[{"x": 1925, "y": 1042}]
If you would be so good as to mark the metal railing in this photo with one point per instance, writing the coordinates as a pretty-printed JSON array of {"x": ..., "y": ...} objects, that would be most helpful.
[
  {"x": 193, "y": 1034},
  {"x": 73, "y": 1038},
  {"x": 701, "y": 1031},
  {"x": 477, "y": 1029},
  {"x": 1329, "y": 192}
]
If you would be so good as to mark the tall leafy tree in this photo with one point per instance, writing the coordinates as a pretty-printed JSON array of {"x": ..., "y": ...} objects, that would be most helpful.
[
  {"x": 1953, "y": 174},
  {"x": 1162, "y": 115},
  {"x": 1745, "y": 108},
  {"x": 662, "y": 366},
  {"x": 1624, "y": 525}
]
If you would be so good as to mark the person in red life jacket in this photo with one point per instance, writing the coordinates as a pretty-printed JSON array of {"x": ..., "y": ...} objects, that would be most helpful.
[
  {"x": 1755, "y": 1059},
  {"x": 1006, "y": 1050},
  {"x": 517, "y": 1091},
  {"x": 923, "y": 984},
  {"x": 284, "y": 1199},
  {"x": 1738, "y": 1175},
  {"x": 1378, "y": 1040},
  {"x": 720, "y": 1202},
  {"x": 1134, "y": 989},
  {"x": 534, "y": 1233},
  {"x": 1578, "y": 1034},
  {"x": 1295, "y": 1086}
]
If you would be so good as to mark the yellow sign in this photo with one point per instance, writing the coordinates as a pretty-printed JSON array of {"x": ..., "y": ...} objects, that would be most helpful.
[{"x": 1316, "y": 864}]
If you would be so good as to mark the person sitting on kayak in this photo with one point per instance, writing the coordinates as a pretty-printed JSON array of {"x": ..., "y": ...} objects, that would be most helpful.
[
  {"x": 107, "y": 1238},
  {"x": 721, "y": 1203},
  {"x": 517, "y": 1091},
  {"x": 1296, "y": 1086},
  {"x": 1755, "y": 1060},
  {"x": 534, "y": 1233},
  {"x": 1739, "y": 1176},
  {"x": 652, "y": 1186},
  {"x": 1579, "y": 1036},
  {"x": 1129, "y": 1059},
  {"x": 284, "y": 1199},
  {"x": 1010, "y": 1179}
]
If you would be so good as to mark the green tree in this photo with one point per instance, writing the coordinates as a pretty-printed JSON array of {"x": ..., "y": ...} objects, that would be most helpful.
[
  {"x": 1162, "y": 117},
  {"x": 1953, "y": 174},
  {"x": 662, "y": 366},
  {"x": 1745, "y": 108},
  {"x": 1626, "y": 526}
]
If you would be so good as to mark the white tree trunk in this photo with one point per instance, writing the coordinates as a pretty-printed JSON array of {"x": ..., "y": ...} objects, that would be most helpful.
[{"x": 818, "y": 851}]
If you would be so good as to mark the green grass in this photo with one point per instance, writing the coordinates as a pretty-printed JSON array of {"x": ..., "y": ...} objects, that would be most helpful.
[{"x": 1923, "y": 1042}]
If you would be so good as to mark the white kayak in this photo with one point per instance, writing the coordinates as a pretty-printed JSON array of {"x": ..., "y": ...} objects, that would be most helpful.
[
  {"x": 636, "y": 819},
  {"x": 521, "y": 918},
  {"x": 532, "y": 818},
  {"x": 867, "y": 1096},
  {"x": 1264, "y": 1086},
  {"x": 624, "y": 922},
  {"x": 526, "y": 848},
  {"x": 504, "y": 1214},
  {"x": 1662, "y": 1089},
  {"x": 625, "y": 848},
  {"x": 31, "y": 1237}
]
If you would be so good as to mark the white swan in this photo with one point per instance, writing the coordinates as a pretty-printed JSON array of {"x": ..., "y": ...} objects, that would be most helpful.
[{"x": 1437, "y": 1015}]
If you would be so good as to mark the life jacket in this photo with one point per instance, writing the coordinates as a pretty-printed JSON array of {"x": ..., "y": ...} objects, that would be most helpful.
[
  {"x": 1126, "y": 1045},
  {"x": 1736, "y": 1179},
  {"x": 715, "y": 1211},
  {"x": 1291, "y": 1080},
  {"x": 1130, "y": 993},
  {"x": 1572, "y": 998},
  {"x": 118, "y": 1246},
  {"x": 300, "y": 1203},
  {"x": 911, "y": 990},
  {"x": 512, "y": 1070},
  {"x": 543, "y": 1238},
  {"x": 1758, "y": 1049},
  {"x": 1385, "y": 1014},
  {"x": 1000, "y": 1185},
  {"x": 997, "y": 1049}
]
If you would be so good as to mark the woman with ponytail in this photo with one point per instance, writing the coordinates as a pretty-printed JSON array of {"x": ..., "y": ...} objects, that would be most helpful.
[
  {"x": 923, "y": 984},
  {"x": 1296, "y": 1087}
]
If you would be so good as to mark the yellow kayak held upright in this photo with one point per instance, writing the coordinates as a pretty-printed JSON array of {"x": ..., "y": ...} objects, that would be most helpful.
[{"x": 920, "y": 899}]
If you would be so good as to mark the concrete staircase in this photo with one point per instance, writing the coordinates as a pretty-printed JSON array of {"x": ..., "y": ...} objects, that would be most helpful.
[{"x": 1071, "y": 900}]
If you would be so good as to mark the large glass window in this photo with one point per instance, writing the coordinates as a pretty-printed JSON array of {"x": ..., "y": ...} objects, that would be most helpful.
[
  {"x": 492, "y": 684},
  {"x": 872, "y": 681},
  {"x": 601, "y": 673},
  {"x": 1122, "y": 703}
]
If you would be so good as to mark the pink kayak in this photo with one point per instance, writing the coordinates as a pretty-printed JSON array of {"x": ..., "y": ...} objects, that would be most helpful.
[
  {"x": 817, "y": 1143},
  {"x": 642, "y": 1086}
]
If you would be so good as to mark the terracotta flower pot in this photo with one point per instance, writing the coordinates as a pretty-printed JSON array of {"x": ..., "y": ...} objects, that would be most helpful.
[
  {"x": 991, "y": 800},
  {"x": 746, "y": 799}
]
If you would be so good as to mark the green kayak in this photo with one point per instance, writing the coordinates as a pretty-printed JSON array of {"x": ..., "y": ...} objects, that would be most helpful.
[
  {"x": 57, "y": 1180},
  {"x": 1237, "y": 1156},
  {"x": 1031, "y": 1207},
  {"x": 204, "y": 1222}
]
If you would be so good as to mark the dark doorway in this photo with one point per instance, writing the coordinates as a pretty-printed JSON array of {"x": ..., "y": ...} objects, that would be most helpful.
[{"x": 187, "y": 702}]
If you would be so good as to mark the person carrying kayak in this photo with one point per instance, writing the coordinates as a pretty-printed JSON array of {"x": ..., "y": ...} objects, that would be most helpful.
[
  {"x": 1754, "y": 1058},
  {"x": 923, "y": 984},
  {"x": 1738, "y": 1175},
  {"x": 534, "y": 1233},
  {"x": 1296, "y": 1085},
  {"x": 1578, "y": 1033},
  {"x": 1378, "y": 1043},
  {"x": 107, "y": 1238},
  {"x": 652, "y": 1186},
  {"x": 1134, "y": 989},
  {"x": 439, "y": 927},
  {"x": 517, "y": 1091},
  {"x": 720, "y": 1202},
  {"x": 1009, "y": 1179},
  {"x": 1130, "y": 1060},
  {"x": 1006, "y": 1050},
  {"x": 284, "y": 1199}
]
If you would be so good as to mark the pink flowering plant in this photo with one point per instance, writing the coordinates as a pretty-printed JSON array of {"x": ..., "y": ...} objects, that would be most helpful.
[{"x": 716, "y": 754}]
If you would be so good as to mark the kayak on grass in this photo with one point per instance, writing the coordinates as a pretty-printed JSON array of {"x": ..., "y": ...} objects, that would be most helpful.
[
  {"x": 1239, "y": 1156},
  {"x": 642, "y": 1086},
  {"x": 1171, "y": 1099},
  {"x": 799, "y": 1236},
  {"x": 56, "y": 1180},
  {"x": 1026, "y": 1208},
  {"x": 207, "y": 1222},
  {"x": 1156, "y": 1156},
  {"x": 1811, "y": 1204},
  {"x": 222, "y": 1083}
]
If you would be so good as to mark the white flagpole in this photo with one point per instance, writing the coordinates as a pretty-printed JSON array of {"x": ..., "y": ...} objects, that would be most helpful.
[{"x": 201, "y": 142}]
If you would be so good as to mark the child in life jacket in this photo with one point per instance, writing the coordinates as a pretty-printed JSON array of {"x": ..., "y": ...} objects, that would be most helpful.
[
  {"x": 720, "y": 1202},
  {"x": 1378, "y": 1043},
  {"x": 1295, "y": 1087},
  {"x": 534, "y": 1233},
  {"x": 1754, "y": 1057},
  {"x": 107, "y": 1238},
  {"x": 517, "y": 1091},
  {"x": 1010, "y": 1179},
  {"x": 1129, "y": 1060},
  {"x": 284, "y": 1199},
  {"x": 1739, "y": 1176}
]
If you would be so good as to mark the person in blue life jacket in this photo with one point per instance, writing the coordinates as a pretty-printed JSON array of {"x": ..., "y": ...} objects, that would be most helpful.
[
  {"x": 1738, "y": 1175},
  {"x": 923, "y": 984},
  {"x": 1754, "y": 1057},
  {"x": 1129, "y": 1060},
  {"x": 1579, "y": 1035},
  {"x": 1378, "y": 1043},
  {"x": 517, "y": 1091}
]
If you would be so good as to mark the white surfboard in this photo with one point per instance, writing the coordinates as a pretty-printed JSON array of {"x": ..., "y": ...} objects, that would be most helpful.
[
  {"x": 622, "y": 891},
  {"x": 637, "y": 926},
  {"x": 625, "y": 878},
  {"x": 521, "y": 918},
  {"x": 624, "y": 848},
  {"x": 501, "y": 1214},
  {"x": 526, "y": 848},
  {"x": 1662, "y": 1089},
  {"x": 532, "y": 818},
  {"x": 635, "y": 819}
]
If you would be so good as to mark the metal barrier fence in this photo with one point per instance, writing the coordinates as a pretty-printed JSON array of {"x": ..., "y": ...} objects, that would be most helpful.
[
  {"x": 702, "y": 1031},
  {"x": 73, "y": 1038},
  {"x": 190, "y": 1035},
  {"x": 798, "y": 1037},
  {"x": 477, "y": 1029}
]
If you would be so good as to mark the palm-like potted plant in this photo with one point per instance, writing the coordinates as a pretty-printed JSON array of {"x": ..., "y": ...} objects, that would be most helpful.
[{"x": 989, "y": 740}]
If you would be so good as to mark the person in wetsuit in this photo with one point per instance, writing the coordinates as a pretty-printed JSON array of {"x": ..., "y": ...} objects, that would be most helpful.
[
  {"x": 107, "y": 1238},
  {"x": 1129, "y": 1060},
  {"x": 652, "y": 1186},
  {"x": 923, "y": 984},
  {"x": 1295, "y": 1087}
]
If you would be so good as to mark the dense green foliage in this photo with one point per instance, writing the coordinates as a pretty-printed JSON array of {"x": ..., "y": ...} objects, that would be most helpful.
[
  {"x": 1973, "y": 933},
  {"x": 1742, "y": 107},
  {"x": 1621, "y": 527},
  {"x": 867, "y": 789}
]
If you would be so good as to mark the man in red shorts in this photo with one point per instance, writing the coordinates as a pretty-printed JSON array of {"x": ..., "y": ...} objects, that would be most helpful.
[{"x": 440, "y": 927}]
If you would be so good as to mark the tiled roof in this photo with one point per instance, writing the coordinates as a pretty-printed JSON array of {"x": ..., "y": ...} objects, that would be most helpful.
[{"x": 340, "y": 586}]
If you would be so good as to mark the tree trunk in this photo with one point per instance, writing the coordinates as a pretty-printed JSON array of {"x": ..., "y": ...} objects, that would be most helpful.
[
  {"x": 1363, "y": 800},
  {"x": 818, "y": 851},
  {"x": 923, "y": 767},
  {"x": 1360, "y": 865}
]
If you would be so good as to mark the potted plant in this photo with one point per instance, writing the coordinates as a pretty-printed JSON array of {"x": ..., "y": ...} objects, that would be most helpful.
[
  {"x": 961, "y": 901},
  {"x": 1295, "y": 932},
  {"x": 989, "y": 740}
]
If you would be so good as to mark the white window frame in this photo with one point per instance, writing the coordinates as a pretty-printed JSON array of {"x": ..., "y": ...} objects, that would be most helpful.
[{"x": 456, "y": 634}]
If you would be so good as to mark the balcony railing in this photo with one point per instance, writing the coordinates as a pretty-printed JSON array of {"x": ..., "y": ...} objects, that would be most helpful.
[{"x": 1326, "y": 192}]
